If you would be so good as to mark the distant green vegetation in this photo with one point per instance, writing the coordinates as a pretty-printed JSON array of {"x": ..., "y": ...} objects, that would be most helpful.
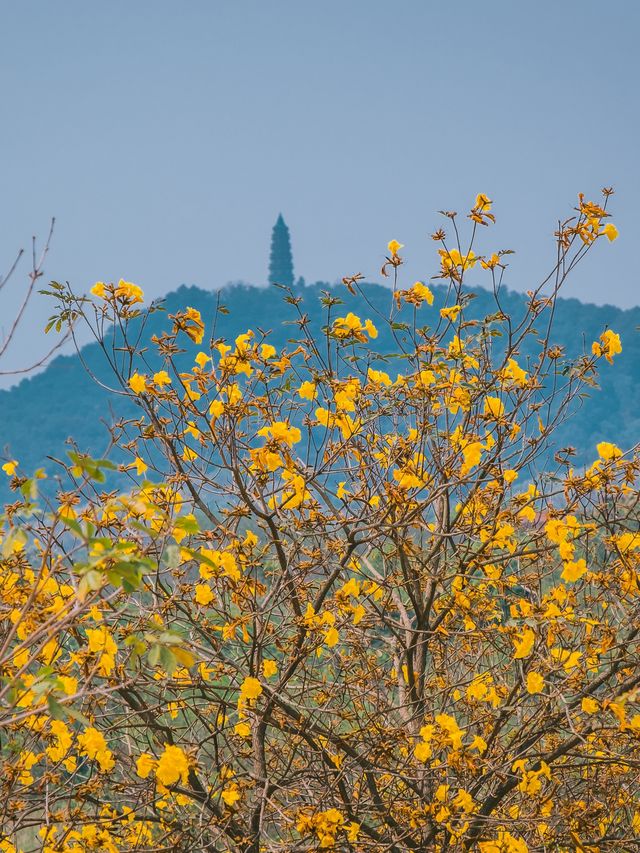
[{"x": 77, "y": 397}]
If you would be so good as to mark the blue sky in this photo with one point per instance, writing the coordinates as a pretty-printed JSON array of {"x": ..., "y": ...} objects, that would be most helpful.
[{"x": 165, "y": 137}]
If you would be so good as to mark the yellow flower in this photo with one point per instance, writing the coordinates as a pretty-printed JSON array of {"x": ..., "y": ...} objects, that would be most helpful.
[
  {"x": 173, "y": 766},
  {"x": 98, "y": 290},
  {"x": 242, "y": 729},
  {"x": 609, "y": 345},
  {"x": 307, "y": 391},
  {"x": 221, "y": 560},
  {"x": 216, "y": 409},
  {"x": 352, "y": 829},
  {"x": 573, "y": 571},
  {"x": 100, "y": 641},
  {"x": 452, "y": 258},
  {"x": 464, "y": 801},
  {"x": 332, "y": 637},
  {"x": 162, "y": 378},
  {"x": 138, "y": 382},
  {"x": 608, "y": 451},
  {"x": 472, "y": 454},
  {"x": 478, "y": 689},
  {"x": 230, "y": 794},
  {"x": 394, "y": 247},
  {"x": 504, "y": 842},
  {"x": 203, "y": 594},
  {"x": 341, "y": 491},
  {"x": 483, "y": 202},
  {"x": 450, "y": 313},
  {"x": 9, "y": 468},
  {"x": 243, "y": 343},
  {"x": 129, "y": 292},
  {"x": 423, "y": 751},
  {"x": 370, "y": 329},
  {"x": 493, "y": 407},
  {"x": 352, "y": 326},
  {"x": 513, "y": 373},
  {"x": 63, "y": 741},
  {"x": 627, "y": 541},
  {"x": 611, "y": 231},
  {"x": 566, "y": 657},
  {"x": 280, "y": 431},
  {"x": 524, "y": 644},
  {"x": 478, "y": 743},
  {"x": 451, "y": 727},
  {"x": 190, "y": 322},
  {"x": 418, "y": 294},
  {"x": 269, "y": 668},
  {"x": 589, "y": 706},
  {"x": 27, "y": 760},
  {"x": 324, "y": 417},
  {"x": 250, "y": 688},
  {"x": 233, "y": 393},
  {"x": 144, "y": 765},
  {"x": 379, "y": 377},
  {"x": 492, "y": 263},
  {"x": 93, "y": 745},
  {"x": 510, "y": 475},
  {"x": 139, "y": 465},
  {"x": 351, "y": 321},
  {"x": 250, "y": 539},
  {"x": 535, "y": 682},
  {"x": 196, "y": 330},
  {"x": 267, "y": 351}
]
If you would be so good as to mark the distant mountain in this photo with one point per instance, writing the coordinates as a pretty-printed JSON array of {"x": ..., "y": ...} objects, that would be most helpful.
[{"x": 77, "y": 396}]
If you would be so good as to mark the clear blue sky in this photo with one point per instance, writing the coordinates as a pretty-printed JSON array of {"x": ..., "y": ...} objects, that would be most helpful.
[{"x": 166, "y": 136}]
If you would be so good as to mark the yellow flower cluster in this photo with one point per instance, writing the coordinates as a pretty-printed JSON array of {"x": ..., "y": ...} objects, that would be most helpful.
[
  {"x": 171, "y": 768},
  {"x": 327, "y": 826},
  {"x": 608, "y": 345},
  {"x": 125, "y": 291},
  {"x": 94, "y": 746},
  {"x": 352, "y": 327}
]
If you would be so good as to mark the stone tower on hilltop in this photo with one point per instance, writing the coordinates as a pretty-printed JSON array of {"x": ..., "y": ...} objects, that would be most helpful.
[{"x": 280, "y": 259}]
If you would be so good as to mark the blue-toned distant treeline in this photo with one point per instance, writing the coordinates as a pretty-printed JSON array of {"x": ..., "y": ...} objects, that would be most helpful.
[{"x": 40, "y": 414}]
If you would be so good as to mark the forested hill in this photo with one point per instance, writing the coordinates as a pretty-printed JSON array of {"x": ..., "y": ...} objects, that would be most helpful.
[{"x": 41, "y": 413}]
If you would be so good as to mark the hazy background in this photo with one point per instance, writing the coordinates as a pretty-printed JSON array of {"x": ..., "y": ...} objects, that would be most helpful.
[{"x": 165, "y": 137}]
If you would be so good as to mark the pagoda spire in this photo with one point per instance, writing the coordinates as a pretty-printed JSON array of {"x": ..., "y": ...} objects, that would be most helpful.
[{"x": 281, "y": 259}]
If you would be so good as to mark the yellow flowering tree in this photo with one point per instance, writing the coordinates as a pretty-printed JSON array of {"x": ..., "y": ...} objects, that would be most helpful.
[{"x": 358, "y": 615}]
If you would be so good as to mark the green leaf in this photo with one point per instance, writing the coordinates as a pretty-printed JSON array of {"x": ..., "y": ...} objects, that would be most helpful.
[
  {"x": 76, "y": 715},
  {"x": 168, "y": 660},
  {"x": 94, "y": 580},
  {"x": 171, "y": 638},
  {"x": 83, "y": 589},
  {"x": 188, "y": 523},
  {"x": 136, "y": 644},
  {"x": 172, "y": 556},
  {"x": 74, "y": 527},
  {"x": 106, "y": 463},
  {"x": 56, "y": 710},
  {"x": 14, "y": 541}
]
